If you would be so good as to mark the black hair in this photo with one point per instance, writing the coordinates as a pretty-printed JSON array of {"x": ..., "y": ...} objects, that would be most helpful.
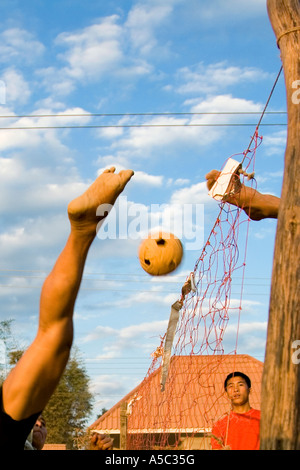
[{"x": 238, "y": 374}]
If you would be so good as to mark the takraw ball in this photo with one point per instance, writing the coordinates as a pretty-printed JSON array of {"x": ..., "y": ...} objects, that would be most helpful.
[{"x": 160, "y": 253}]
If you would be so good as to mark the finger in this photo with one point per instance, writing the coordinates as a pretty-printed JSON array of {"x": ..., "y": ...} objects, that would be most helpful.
[
  {"x": 94, "y": 438},
  {"x": 211, "y": 178},
  {"x": 108, "y": 444},
  {"x": 213, "y": 174}
]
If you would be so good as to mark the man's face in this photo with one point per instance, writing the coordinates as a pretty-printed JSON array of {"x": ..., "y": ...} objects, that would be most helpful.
[
  {"x": 237, "y": 391},
  {"x": 39, "y": 433}
]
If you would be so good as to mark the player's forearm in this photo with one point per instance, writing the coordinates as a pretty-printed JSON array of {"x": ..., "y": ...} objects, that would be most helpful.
[
  {"x": 32, "y": 382},
  {"x": 259, "y": 206},
  {"x": 61, "y": 287}
]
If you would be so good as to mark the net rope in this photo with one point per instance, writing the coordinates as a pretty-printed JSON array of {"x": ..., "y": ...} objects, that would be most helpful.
[{"x": 190, "y": 403}]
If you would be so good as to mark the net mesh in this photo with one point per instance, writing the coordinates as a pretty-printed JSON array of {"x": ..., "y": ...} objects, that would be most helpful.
[{"x": 204, "y": 348}]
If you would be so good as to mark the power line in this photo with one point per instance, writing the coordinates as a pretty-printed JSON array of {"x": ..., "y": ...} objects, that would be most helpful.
[
  {"x": 141, "y": 114},
  {"x": 137, "y": 291},
  {"x": 102, "y": 274},
  {"x": 121, "y": 126},
  {"x": 150, "y": 114},
  {"x": 124, "y": 276},
  {"x": 125, "y": 279}
]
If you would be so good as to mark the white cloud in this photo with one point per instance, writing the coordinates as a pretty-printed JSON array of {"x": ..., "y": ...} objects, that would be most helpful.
[
  {"x": 179, "y": 182},
  {"x": 157, "y": 297},
  {"x": 229, "y": 12},
  {"x": 144, "y": 178},
  {"x": 45, "y": 137},
  {"x": 140, "y": 177},
  {"x": 251, "y": 336},
  {"x": 109, "y": 389},
  {"x": 18, "y": 45},
  {"x": 135, "y": 332},
  {"x": 110, "y": 132},
  {"x": 93, "y": 50},
  {"x": 56, "y": 81},
  {"x": 222, "y": 103},
  {"x": 195, "y": 194},
  {"x": 142, "y": 22},
  {"x": 132, "y": 338},
  {"x": 17, "y": 89},
  {"x": 106, "y": 386},
  {"x": 213, "y": 78},
  {"x": 91, "y": 54},
  {"x": 162, "y": 133},
  {"x": 100, "y": 332},
  {"x": 34, "y": 235},
  {"x": 275, "y": 143},
  {"x": 27, "y": 191},
  {"x": 168, "y": 133}
]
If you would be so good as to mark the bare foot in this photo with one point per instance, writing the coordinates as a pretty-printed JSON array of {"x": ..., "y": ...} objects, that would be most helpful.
[{"x": 105, "y": 190}]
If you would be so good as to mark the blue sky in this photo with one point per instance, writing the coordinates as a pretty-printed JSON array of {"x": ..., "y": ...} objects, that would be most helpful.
[{"x": 100, "y": 71}]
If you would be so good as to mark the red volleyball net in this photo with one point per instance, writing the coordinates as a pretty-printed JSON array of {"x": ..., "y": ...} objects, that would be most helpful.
[{"x": 182, "y": 394}]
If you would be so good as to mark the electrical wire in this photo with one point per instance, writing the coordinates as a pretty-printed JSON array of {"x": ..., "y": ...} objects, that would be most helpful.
[
  {"x": 222, "y": 113},
  {"x": 150, "y": 114},
  {"x": 117, "y": 126}
]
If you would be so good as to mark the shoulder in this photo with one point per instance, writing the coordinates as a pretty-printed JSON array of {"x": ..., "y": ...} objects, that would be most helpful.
[{"x": 255, "y": 413}]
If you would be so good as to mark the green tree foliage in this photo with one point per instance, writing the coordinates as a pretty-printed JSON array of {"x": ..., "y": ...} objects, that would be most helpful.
[
  {"x": 70, "y": 406},
  {"x": 5, "y": 330},
  {"x": 15, "y": 356},
  {"x": 103, "y": 411},
  {"x": 9, "y": 353},
  {"x": 6, "y": 342}
]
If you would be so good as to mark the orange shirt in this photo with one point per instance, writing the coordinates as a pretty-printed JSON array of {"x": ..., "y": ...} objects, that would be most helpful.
[{"x": 239, "y": 431}]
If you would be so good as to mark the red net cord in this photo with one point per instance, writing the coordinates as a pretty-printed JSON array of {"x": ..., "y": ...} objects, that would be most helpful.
[{"x": 182, "y": 416}]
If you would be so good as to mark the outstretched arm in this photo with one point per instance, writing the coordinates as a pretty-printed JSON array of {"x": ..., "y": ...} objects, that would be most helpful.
[
  {"x": 256, "y": 205},
  {"x": 31, "y": 383}
]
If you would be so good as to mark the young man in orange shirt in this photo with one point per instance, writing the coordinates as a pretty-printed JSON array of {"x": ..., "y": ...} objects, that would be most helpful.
[{"x": 238, "y": 429}]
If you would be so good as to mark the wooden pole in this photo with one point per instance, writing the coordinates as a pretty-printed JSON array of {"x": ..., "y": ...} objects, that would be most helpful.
[
  {"x": 123, "y": 426},
  {"x": 280, "y": 424}
]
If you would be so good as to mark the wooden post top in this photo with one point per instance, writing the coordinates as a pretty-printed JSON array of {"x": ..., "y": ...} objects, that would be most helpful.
[{"x": 284, "y": 17}]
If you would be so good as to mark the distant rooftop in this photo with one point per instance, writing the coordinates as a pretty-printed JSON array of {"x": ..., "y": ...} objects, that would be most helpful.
[{"x": 193, "y": 398}]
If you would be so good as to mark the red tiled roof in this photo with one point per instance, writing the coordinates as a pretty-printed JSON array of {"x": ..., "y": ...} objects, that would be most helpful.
[
  {"x": 193, "y": 398},
  {"x": 54, "y": 447}
]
